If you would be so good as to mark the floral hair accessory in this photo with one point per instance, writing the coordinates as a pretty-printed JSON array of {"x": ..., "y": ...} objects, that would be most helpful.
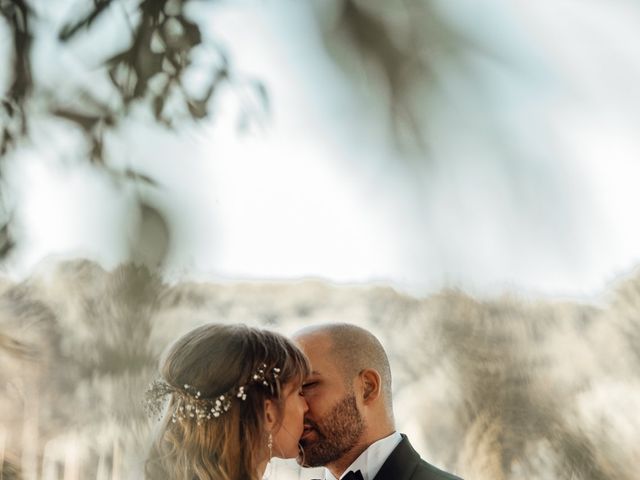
[{"x": 190, "y": 405}]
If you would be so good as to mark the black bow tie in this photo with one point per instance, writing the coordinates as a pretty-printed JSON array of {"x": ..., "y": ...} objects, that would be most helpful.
[{"x": 353, "y": 476}]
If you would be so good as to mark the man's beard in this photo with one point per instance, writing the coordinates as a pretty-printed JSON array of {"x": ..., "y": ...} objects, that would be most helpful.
[{"x": 337, "y": 433}]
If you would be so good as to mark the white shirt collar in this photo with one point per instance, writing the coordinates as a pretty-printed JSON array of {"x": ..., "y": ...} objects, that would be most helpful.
[{"x": 371, "y": 460}]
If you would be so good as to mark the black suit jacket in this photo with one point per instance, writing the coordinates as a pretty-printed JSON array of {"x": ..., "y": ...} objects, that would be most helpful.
[{"x": 404, "y": 463}]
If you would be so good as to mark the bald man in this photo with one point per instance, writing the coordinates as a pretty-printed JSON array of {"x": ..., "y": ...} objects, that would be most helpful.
[{"x": 349, "y": 427}]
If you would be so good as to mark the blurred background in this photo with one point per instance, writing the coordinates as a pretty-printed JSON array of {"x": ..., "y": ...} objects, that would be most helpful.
[{"x": 458, "y": 176}]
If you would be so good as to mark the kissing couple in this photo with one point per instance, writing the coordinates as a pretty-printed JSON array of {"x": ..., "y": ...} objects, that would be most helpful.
[{"x": 232, "y": 397}]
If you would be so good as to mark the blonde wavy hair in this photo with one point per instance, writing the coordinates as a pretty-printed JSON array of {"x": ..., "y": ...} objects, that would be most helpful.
[{"x": 215, "y": 359}]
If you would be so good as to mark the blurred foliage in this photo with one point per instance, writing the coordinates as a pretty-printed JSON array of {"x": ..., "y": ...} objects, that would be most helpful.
[
  {"x": 399, "y": 44},
  {"x": 627, "y": 303},
  {"x": 148, "y": 74}
]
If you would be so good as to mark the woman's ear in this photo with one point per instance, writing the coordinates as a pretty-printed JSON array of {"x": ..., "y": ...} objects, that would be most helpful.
[
  {"x": 371, "y": 385},
  {"x": 270, "y": 415}
]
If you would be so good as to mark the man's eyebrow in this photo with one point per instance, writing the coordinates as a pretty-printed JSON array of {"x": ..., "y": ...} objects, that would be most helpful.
[{"x": 315, "y": 372}]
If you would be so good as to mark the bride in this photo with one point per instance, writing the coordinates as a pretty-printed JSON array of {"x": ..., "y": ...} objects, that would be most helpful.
[{"x": 231, "y": 398}]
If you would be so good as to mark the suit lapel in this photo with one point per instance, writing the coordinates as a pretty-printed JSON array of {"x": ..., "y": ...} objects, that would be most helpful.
[{"x": 401, "y": 463}]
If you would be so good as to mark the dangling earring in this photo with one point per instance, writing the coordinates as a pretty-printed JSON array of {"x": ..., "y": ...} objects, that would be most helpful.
[{"x": 269, "y": 469}]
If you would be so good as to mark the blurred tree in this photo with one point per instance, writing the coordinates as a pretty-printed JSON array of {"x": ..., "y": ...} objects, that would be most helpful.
[
  {"x": 146, "y": 79},
  {"x": 394, "y": 47}
]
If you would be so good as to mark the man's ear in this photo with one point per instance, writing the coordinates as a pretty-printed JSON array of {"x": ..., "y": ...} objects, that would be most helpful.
[
  {"x": 371, "y": 385},
  {"x": 270, "y": 415}
]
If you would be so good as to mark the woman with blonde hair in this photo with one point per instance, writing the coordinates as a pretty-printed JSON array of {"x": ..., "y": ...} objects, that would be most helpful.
[{"x": 231, "y": 397}]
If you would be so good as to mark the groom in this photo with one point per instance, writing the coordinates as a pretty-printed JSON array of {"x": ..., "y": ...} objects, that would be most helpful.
[{"x": 349, "y": 427}]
